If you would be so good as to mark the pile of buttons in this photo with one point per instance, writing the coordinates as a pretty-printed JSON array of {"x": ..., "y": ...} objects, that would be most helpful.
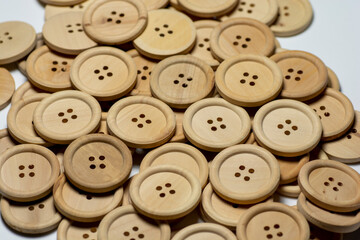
[{"x": 200, "y": 94}]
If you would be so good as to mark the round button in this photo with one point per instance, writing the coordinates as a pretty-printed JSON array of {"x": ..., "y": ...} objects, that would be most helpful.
[
  {"x": 82, "y": 206},
  {"x": 17, "y": 39},
  {"x": 294, "y": 17},
  {"x": 49, "y": 70},
  {"x": 21, "y": 64},
  {"x": 336, "y": 113},
  {"x": 205, "y": 231},
  {"x": 206, "y": 9},
  {"x": 181, "y": 155},
  {"x": 244, "y": 174},
  {"x": 334, "y": 82},
  {"x": 305, "y": 75},
  {"x": 165, "y": 192},
  {"x": 291, "y": 190},
  {"x": 61, "y": 2},
  {"x": 141, "y": 122},
  {"x": 92, "y": 163},
  {"x": 331, "y": 185},
  {"x": 20, "y": 121},
  {"x": 179, "y": 131},
  {"x": 69, "y": 230},
  {"x": 272, "y": 220},
  {"x": 290, "y": 167},
  {"x": 167, "y": 33},
  {"x": 26, "y": 89},
  {"x": 210, "y": 124},
  {"x": 241, "y": 36},
  {"x": 28, "y": 172},
  {"x": 7, "y": 87},
  {"x": 6, "y": 141},
  {"x": 106, "y": 73},
  {"x": 248, "y": 80},
  {"x": 67, "y": 115},
  {"x": 64, "y": 33},
  {"x": 52, "y": 10},
  {"x": 319, "y": 234},
  {"x": 115, "y": 21},
  {"x": 180, "y": 81},
  {"x": 126, "y": 198},
  {"x": 287, "y": 128}
]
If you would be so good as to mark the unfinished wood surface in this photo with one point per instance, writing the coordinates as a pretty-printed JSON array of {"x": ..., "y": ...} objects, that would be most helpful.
[
  {"x": 26, "y": 89},
  {"x": 6, "y": 141},
  {"x": 201, "y": 231},
  {"x": 155, "y": 4},
  {"x": 103, "y": 129},
  {"x": 179, "y": 131},
  {"x": 290, "y": 167},
  {"x": 69, "y": 230},
  {"x": 52, "y": 10},
  {"x": 126, "y": 198},
  {"x": 206, "y": 9},
  {"x": 320, "y": 234},
  {"x": 61, "y": 2},
  {"x": 291, "y": 190},
  {"x": 21, "y": 64},
  {"x": 7, "y": 87}
]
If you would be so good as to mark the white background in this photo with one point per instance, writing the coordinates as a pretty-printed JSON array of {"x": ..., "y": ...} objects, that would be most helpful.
[{"x": 334, "y": 36}]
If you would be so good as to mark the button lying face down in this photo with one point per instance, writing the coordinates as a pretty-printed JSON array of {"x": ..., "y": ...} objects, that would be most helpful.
[
  {"x": 206, "y": 9},
  {"x": 106, "y": 73},
  {"x": 205, "y": 231},
  {"x": 336, "y": 113},
  {"x": 48, "y": 70},
  {"x": 287, "y": 128},
  {"x": 21, "y": 64},
  {"x": 305, "y": 75},
  {"x": 17, "y": 39},
  {"x": 28, "y": 172},
  {"x": 290, "y": 167},
  {"x": 179, "y": 131},
  {"x": 167, "y": 33},
  {"x": 115, "y": 21},
  {"x": 31, "y": 218},
  {"x": 81, "y": 206},
  {"x": 248, "y": 80},
  {"x": 294, "y": 17},
  {"x": 61, "y": 2},
  {"x": 333, "y": 80},
  {"x": 165, "y": 192},
  {"x": 66, "y": 115},
  {"x": 331, "y": 185},
  {"x": 92, "y": 163},
  {"x": 52, "y": 10},
  {"x": 26, "y": 89},
  {"x": 180, "y": 81},
  {"x": 6, "y": 141},
  {"x": 65, "y": 33},
  {"x": 141, "y": 122},
  {"x": 68, "y": 230},
  {"x": 181, "y": 155},
  {"x": 241, "y": 36},
  {"x": 291, "y": 190},
  {"x": 244, "y": 174},
  {"x": 7, "y": 87}
]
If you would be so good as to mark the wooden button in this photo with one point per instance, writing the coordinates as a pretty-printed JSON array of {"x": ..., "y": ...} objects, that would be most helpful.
[
  {"x": 64, "y": 33},
  {"x": 103, "y": 126},
  {"x": 336, "y": 113},
  {"x": 17, "y": 39},
  {"x": 61, "y": 2},
  {"x": 20, "y": 121},
  {"x": 69, "y": 230},
  {"x": 67, "y": 115},
  {"x": 205, "y": 231},
  {"x": 52, "y": 10},
  {"x": 106, "y": 73},
  {"x": 290, "y": 167},
  {"x": 272, "y": 220},
  {"x": 7, "y": 87},
  {"x": 31, "y": 218},
  {"x": 126, "y": 198},
  {"x": 291, "y": 190},
  {"x": 241, "y": 36},
  {"x": 248, "y": 80},
  {"x": 6, "y": 141},
  {"x": 179, "y": 131},
  {"x": 320, "y": 234},
  {"x": 244, "y": 174},
  {"x": 287, "y": 128},
  {"x": 330, "y": 221},
  {"x": 305, "y": 75},
  {"x": 333, "y": 80},
  {"x": 181, "y": 155},
  {"x": 125, "y": 222},
  {"x": 92, "y": 163},
  {"x": 165, "y": 192},
  {"x": 82, "y": 206},
  {"x": 206, "y": 9},
  {"x": 346, "y": 149},
  {"x": 167, "y": 33},
  {"x": 180, "y": 81},
  {"x": 318, "y": 153},
  {"x": 28, "y": 172},
  {"x": 331, "y": 185},
  {"x": 49, "y": 70},
  {"x": 21, "y": 64},
  {"x": 141, "y": 122},
  {"x": 155, "y": 4},
  {"x": 294, "y": 17},
  {"x": 115, "y": 22},
  {"x": 25, "y": 90}
]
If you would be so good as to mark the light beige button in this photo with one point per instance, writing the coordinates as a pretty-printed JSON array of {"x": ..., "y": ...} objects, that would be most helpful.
[
  {"x": 49, "y": 70},
  {"x": 167, "y": 33},
  {"x": 6, "y": 141},
  {"x": 141, "y": 122},
  {"x": 272, "y": 221},
  {"x": 165, "y": 192},
  {"x": 17, "y": 39},
  {"x": 21, "y": 64},
  {"x": 82, "y": 206},
  {"x": 67, "y": 115},
  {"x": 333, "y": 80},
  {"x": 126, "y": 198},
  {"x": 7, "y": 87},
  {"x": 106, "y": 73},
  {"x": 248, "y": 80},
  {"x": 69, "y": 230},
  {"x": 179, "y": 131},
  {"x": 115, "y": 21},
  {"x": 287, "y": 128},
  {"x": 336, "y": 113},
  {"x": 205, "y": 231},
  {"x": 28, "y": 172},
  {"x": 61, "y": 2},
  {"x": 52, "y": 10},
  {"x": 290, "y": 167},
  {"x": 155, "y": 4},
  {"x": 64, "y": 33},
  {"x": 331, "y": 185},
  {"x": 241, "y": 36},
  {"x": 25, "y": 90},
  {"x": 206, "y": 9},
  {"x": 291, "y": 190},
  {"x": 305, "y": 75},
  {"x": 181, "y": 80},
  {"x": 294, "y": 17}
]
